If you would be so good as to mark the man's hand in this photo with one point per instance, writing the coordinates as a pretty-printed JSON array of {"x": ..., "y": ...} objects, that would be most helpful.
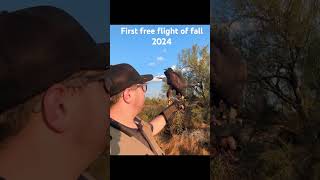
[
  {"x": 159, "y": 122},
  {"x": 170, "y": 111}
]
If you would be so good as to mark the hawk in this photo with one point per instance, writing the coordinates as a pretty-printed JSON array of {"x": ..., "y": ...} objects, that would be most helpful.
[{"x": 176, "y": 82}]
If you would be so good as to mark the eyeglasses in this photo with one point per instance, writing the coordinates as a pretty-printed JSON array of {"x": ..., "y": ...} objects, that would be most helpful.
[
  {"x": 100, "y": 77},
  {"x": 79, "y": 80},
  {"x": 143, "y": 86}
]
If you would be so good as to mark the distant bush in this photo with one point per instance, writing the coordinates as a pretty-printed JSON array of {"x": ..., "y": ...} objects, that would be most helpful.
[{"x": 153, "y": 107}]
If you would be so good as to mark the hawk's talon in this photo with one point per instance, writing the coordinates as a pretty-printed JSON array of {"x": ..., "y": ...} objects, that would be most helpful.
[{"x": 170, "y": 101}]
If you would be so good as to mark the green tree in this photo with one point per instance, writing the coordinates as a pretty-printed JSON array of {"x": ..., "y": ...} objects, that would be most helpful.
[{"x": 194, "y": 66}]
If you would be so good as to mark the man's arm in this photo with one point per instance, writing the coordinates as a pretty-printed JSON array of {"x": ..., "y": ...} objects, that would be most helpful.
[
  {"x": 158, "y": 124},
  {"x": 166, "y": 115}
]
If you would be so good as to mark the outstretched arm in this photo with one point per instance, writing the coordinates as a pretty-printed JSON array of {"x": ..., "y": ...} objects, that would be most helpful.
[
  {"x": 158, "y": 124},
  {"x": 166, "y": 115}
]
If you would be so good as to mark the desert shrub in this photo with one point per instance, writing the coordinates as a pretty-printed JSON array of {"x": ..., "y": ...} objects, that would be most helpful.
[
  {"x": 277, "y": 164},
  {"x": 153, "y": 107}
]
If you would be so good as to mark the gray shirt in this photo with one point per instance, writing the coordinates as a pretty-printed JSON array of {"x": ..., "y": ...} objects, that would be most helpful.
[{"x": 132, "y": 132}]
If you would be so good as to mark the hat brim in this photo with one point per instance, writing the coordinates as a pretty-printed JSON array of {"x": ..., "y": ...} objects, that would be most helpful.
[{"x": 145, "y": 78}]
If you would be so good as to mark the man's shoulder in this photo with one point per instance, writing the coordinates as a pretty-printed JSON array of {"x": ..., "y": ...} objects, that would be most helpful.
[
  {"x": 123, "y": 144},
  {"x": 114, "y": 132},
  {"x": 144, "y": 123}
]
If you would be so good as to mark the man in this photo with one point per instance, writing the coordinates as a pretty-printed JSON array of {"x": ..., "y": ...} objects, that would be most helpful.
[
  {"x": 129, "y": 134},
  {"x": 54, "y": 96}
]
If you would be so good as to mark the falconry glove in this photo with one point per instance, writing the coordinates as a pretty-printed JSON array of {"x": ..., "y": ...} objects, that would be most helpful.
[{"x": 170, "y": 111}]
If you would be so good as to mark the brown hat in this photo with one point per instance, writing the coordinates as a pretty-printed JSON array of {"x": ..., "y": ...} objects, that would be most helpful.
[
  {"x": 123, "y": 76},
  {"x": 40, "y": 46}
]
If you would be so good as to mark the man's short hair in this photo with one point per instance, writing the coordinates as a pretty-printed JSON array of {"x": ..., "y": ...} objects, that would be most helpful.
[
  {"x": 114, "y": 99},
  {"x": 15, "y": 119}
]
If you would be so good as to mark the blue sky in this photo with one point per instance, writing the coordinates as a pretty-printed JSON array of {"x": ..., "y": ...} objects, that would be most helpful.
[
  {"x": 138, "y": 50},
  {"x": 93, "y": 15}
]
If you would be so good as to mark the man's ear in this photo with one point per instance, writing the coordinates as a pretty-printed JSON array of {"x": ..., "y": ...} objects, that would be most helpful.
[
  {"x": 127, "y": 96},
  {"x": 54, "y": 111}
]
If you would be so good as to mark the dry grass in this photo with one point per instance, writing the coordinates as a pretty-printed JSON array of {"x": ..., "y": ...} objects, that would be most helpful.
[
  {"x": 186, "y": 134},
  {"x": 190, "y": 142}
]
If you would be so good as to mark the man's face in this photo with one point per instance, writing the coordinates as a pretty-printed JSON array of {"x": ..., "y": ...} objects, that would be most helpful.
[
  {"x": 139, "y": 96},
  {"x": 88, "y": 111}
]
